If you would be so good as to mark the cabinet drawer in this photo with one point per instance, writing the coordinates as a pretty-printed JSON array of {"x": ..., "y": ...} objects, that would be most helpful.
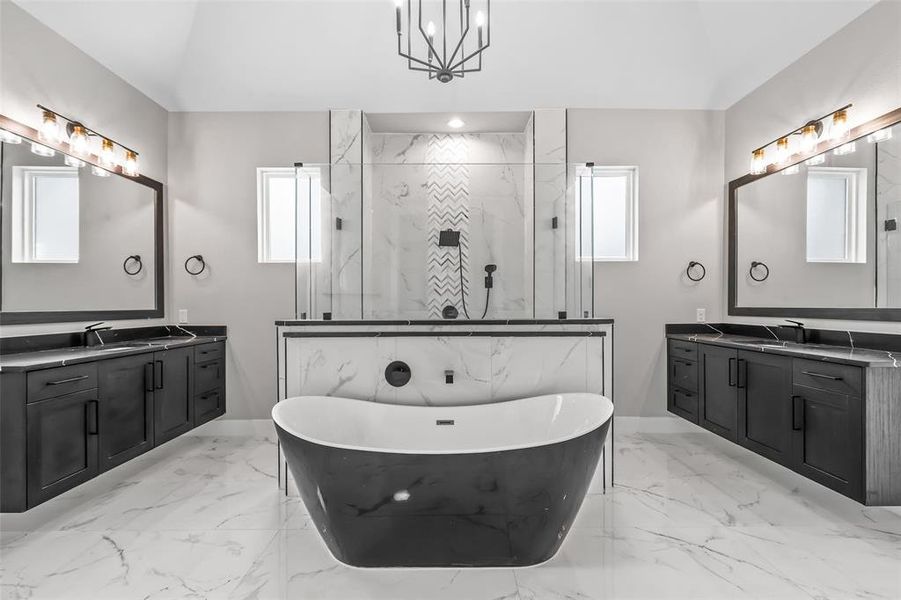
[
  {"x": 684, "y": 374},
  {"x": 208, "y": 406},
  {"x": 684, "y": 404},
  {"x": 830, "y": 377},
  {"x": 60, "y": 381},
  {"x": 208, "y": 376},
  {"x": 681, "y": 349},
  {"x": 208, "y": 352}
]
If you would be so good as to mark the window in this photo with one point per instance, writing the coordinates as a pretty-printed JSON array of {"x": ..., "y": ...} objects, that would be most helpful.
[
  {"x": 44, "y": 214},
  {"x": 836, "y": 214},
  {"x": 279, "y": 191},
  {"x": 607, "y": 214}
]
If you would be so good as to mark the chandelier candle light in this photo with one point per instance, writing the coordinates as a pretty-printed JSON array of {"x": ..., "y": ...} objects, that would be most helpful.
[{"x": 455, "y": 28}]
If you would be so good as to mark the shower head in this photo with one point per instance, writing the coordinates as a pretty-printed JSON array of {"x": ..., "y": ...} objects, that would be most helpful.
[{"x": 448, "y": 237}]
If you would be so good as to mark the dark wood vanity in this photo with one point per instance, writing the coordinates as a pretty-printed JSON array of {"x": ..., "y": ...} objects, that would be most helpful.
[
  {"x": 830, "y": 413},
  {"x": 69, "y": 413}
]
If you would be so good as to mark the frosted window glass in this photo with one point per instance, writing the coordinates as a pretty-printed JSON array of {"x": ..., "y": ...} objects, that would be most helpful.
[
  {"x": 284, "y": 238},
  {"x": 606, "y": 214}
]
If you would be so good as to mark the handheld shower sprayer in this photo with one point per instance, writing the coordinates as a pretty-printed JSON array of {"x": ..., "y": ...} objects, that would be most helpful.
[
  {"x": 489, "y": 279},
  {"x": 450, "y": 238}
]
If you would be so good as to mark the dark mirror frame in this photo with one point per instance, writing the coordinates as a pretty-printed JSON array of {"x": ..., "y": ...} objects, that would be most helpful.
[
  {"x": 851, "y": 314},
  {"x": 68, "y": 316}
]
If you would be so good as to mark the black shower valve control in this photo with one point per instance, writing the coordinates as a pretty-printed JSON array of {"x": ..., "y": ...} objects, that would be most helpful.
[{"x": 448, "y": 376}]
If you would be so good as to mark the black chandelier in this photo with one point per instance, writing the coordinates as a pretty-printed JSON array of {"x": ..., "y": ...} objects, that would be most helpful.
[{"x": 437, "y": 63}]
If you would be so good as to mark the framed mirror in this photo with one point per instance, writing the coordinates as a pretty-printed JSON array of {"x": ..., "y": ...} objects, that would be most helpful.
[
  {"x": 78, "y": 242},
  {"x": 820, "y": 235}
]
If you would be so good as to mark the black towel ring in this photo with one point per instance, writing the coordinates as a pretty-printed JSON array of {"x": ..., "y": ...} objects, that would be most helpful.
[
  {"x": 691, "y": 266},
  {"x": 755, "y": 264},
  {"x": 137, "y": 259},
  {"x": 199, "y": 259}
]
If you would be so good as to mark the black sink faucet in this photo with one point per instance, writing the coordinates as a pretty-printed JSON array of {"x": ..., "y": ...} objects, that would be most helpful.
[
  {"x": 800, "y": 332},
  {"x": 95, "y": 328}
]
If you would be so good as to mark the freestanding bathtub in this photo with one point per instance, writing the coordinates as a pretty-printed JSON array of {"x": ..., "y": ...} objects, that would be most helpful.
[{"x": 486, "y": 485}]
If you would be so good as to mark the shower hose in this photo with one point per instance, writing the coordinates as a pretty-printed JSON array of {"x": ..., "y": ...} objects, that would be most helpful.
[{"x": 463, "y": 293}]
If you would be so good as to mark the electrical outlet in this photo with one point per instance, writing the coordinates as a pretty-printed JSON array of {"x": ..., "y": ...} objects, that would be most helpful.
[
  {"x": 702, "y": 315},
  {"x": 182, "y": 315}
]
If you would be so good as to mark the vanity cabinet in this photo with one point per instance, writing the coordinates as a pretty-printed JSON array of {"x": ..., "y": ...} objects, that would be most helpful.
[
  {"x": 804, "y": 414},
  {"x": 682, "y": 388},
  {"x": 126, "y": 408},
  {"x": 172, "y": 393},
  {"x": 63, "y": 425}
]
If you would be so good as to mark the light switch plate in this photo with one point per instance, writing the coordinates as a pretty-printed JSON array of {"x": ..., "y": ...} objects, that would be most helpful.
[
  {"x": 701, "y": 315},
  {"x": 182, "y": 315}
]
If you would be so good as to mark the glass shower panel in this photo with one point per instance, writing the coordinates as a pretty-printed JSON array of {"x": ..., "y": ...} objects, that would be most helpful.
[
  {"x": 580, "y": 242},
  {"x": 410, "y": 273},
  {"x": 550, "y": 240}
]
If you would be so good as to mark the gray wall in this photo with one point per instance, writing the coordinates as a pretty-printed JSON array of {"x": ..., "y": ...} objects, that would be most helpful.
[
  {"x": 39, "y": 66},
  {"x": 213, "y": 159},
  {"x": 680, "y": 159},
  {"x": 861, "y": 63}
]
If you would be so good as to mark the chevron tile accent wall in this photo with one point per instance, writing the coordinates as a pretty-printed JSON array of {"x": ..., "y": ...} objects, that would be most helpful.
[{"x": 448, "y": 185}]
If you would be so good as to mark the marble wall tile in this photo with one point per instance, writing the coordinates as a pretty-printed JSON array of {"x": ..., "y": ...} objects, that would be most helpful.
[
  {"x": 429, "y": 358},
  {"x": 345, "y": 137},
  {"x": 522, "y": 367},
  {"x": 550, "y": 135},
  {"x": 349, "y": 368}
]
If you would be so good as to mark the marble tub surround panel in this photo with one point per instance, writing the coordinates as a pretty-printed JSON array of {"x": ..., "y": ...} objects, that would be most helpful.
[{"x": 849, "y": 347}]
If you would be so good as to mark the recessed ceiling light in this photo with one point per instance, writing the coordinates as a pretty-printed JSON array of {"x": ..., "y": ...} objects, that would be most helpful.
[{"x": 456, "y": 123}]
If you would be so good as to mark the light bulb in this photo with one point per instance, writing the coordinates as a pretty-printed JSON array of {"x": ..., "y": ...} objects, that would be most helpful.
[
  {"x": 480, "y": 19},
  {"x": 880, "y": 136},
  {"x": 78, "y": 141},
  {"x": 49, "y": 131},
  {"x": 456, "y": 123},
  {"x": 758, "y": 162},
  {"x": 840, "y": 126},
  {"x": 95, "y": 170},
  {"x": 809, "y": 138},
  {"x": 815, "y": 160},
  {"x": 792, "y": 170},
  {"x": 845, "y": 149},
  {"x": 130, "y": 166},
  {"x": 41, "y": 150},
  {"x": 430, "y": 29},
  {"x": 73, "y": 162},
  {"x": 107, "y": 153},
  {"x": 8, "y": 137},
  {"x": 782, "y": 151}
]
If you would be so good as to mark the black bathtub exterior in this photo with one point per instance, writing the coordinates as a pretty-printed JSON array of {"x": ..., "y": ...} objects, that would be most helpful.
[{"x": 510, "y": 508}]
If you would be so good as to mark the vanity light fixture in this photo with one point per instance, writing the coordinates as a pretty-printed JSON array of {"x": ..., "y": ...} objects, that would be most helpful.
[
  {"x": 845, "y": 149},
  {"x": 79, "y": 137},
  {"x": 758, "y": 162},
  {"x": 815, "y": 160},
  {"x": 49, "y": 131},
  {"x": 95, "y": 170},
  {"x": 810, "y": 134},
  {"x": 41, "y": 150},
  {"x": 880, "y": 136},
  {"x": 792, "y": 170},
  {"x": 438, "y": 62},
  {"x": 8, "y": 137},
  {"x": 456, "y": 123}
]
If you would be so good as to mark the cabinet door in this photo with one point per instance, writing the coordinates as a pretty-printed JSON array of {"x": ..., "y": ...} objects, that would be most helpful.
[
  {"x": 173, "y": 409},
  {"x": 719, "y": 395},
  {"x": 828, "y": 441},
  {"x": 126, "y": 408},
  {"x": 764, "y": 385},
  {"x": 62, "y": 444}
]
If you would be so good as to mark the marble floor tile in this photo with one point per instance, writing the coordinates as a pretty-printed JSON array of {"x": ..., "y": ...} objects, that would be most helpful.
[{"x": 690, "y": 517}]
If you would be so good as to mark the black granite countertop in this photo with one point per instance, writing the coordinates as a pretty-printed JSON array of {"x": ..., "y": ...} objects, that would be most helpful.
[
  {"x": 57, "y": 350},
  {"x": 862, "y": 357},
  {"x": 437, "y": 322}
]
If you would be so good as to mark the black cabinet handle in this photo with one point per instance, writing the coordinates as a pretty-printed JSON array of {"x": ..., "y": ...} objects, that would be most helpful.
[
  {"x": 93, "y": 417},
  {"x": 741, "y": 374},
  {"x": 158, "y": 374},
  {"x": 69, "y": 380},
  {"x": 797, "y": 413},
  {"x": 821, "y": 375},
  {"x": 148, "y": 377},
  {"x": 682, "y": 362},
  {"x": 733, "y": 375}
]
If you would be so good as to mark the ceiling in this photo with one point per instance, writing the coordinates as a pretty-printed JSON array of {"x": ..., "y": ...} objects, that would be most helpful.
[{"x": 217, "y": 55}]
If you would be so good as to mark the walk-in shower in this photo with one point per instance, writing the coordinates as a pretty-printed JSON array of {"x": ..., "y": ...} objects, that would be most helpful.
[{"x": 413, "y": 220}]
